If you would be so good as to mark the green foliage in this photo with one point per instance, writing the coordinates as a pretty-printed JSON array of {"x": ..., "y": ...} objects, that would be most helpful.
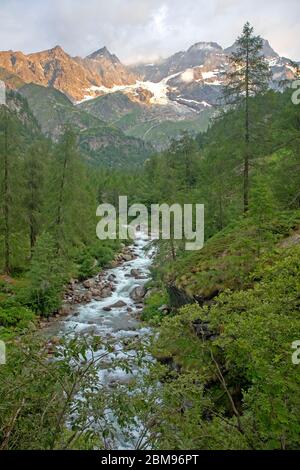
[
  {"x": 45, "y": 278},
  {"x": 15, "y": 317},
  {"x": 229, "y": 256},
  {"x": 250, "y": 350},
  {"x": 152, "y": 304},
  {"x": 99, "y": 255},
  {"x": 52, "y": 399}
]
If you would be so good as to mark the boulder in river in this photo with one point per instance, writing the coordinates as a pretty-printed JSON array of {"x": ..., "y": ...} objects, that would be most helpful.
[
  {"x": 96, "y": 292},
  {"x": 138, "y": 293},
  {"x": 119, "y": 304},
  {"x": 106, "y": 292},
  {"x": 136, "y": 273},
  {"x": 88, "y": 297}
]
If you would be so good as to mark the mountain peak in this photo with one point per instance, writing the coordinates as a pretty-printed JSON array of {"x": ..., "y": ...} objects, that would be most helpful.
[
  {"x": 205, "y": 46},
  {"x": 56, "y": 51},
  {"x": 267, "y": 50},
  {"x": 103, "y": 53},
  {"x": 57, "y": 48}
]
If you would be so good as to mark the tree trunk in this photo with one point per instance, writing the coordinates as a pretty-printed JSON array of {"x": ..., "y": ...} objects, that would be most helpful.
[
  {"x": 60, "y": 204},
  {"x": 247, "y": 139},
  {"x": 6, "y": 197}
]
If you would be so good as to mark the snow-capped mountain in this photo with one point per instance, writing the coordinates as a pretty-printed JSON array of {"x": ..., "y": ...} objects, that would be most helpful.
[
  {"x": 195, "y": 77},
  {"x": 150, "y": 101},
  {"x": 191, "y": 78}
]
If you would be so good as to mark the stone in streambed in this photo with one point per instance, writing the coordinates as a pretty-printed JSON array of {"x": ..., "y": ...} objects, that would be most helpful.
[
  {"x": 106, "y": 293},
  {"x": 136, "y": 273},
  {"x": 107, "y": 309},
  {"x": 118, "y": 304},
  {"x": 65, "y": 310},
  {"x": 138, "y": 293},
  {"x": 96, "y": 292},
  {"x": 89, "y": 283}
]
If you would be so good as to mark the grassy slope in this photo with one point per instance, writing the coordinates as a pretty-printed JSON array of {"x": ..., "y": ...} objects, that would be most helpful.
[
  {"x": 101, "y": 143},
  {"x": 228, "y": 257},
  {"x": 142, "y": 122}
]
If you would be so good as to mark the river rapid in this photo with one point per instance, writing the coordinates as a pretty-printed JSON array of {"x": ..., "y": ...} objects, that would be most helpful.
[{"x": 115, "y": 324}]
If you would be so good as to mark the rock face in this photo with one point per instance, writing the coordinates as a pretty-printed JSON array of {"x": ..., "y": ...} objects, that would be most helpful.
[
  {"x": 191, "y": 78},
  {"x": 71, "y": 75},
  {"x": 195, "y": 76},
  {"x": 177, "y": 93}
]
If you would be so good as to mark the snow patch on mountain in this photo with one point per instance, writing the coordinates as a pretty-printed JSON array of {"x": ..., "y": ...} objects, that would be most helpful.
[{"x": 158, "y": 90}]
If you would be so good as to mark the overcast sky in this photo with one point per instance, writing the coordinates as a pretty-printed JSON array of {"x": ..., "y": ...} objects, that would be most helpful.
[{"x": 144, "y": 29}]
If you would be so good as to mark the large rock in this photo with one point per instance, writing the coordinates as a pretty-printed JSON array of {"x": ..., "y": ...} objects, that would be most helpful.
[
  {"x": 96, "y": 292},
  {"x": 106, "y": 292},
  {"x": 65, "y": 310},
  {"x": 138, "y": 293},
  {"x": 136, "y": 273},
  {"x": 88, "y": 297},
  {"x": 119, "y": 304},
  {"x": 89, "y": 283}
]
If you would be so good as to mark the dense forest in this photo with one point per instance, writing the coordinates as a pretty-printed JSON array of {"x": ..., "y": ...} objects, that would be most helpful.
[{"x": 223, "y": 318}]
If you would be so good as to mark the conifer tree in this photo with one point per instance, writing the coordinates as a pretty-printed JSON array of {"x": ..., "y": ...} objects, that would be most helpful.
[
  {"x": 71, "y": 202},
  {"x": 46, "y": 276},
  {"x": 7, "y": 148},
  {"x": 249, "y": 76},
  {"x": 34, "y": 182}
]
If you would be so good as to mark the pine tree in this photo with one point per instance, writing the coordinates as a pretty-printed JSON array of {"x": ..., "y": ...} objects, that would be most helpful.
[
  {"x": 65, "y": 184},
  {"x": 7, "y": 151},
  {"x": 248, "y": 77},
  {"x": 71, "y": 202},
  {"x": 34, "y": 182},
  {"x": 46, "y": 277}
]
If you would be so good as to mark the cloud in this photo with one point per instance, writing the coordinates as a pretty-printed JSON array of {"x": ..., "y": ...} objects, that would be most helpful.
[{"x": 144, "y": 29}]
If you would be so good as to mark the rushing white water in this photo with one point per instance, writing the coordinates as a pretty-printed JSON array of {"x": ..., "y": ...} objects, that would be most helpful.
[{"x": 118, "y": 324}]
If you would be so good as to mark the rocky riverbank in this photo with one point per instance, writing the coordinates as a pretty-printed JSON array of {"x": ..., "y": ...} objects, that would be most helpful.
[{"x": 101, "y": 287}]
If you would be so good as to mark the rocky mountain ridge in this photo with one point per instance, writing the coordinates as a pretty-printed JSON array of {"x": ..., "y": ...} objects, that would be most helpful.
[
  {"x": 153, "y": 102},
  {"x": 71, "y": 75}
]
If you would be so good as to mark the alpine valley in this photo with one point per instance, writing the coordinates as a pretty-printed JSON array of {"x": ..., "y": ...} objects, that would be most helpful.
[{"x": 117, "y": 332}]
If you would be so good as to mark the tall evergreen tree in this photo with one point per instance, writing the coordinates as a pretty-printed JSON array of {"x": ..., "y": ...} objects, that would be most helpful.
[
  {"x": 249, "y": 76},
  {"x": 70, "y": 200},
  {"x": 7, "y": 148},
  {"x": 34, "y": 182}
]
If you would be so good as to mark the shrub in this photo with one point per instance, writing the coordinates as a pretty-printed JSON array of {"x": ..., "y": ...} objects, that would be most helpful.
[
  {"x": 15, "y": 317},
  {"x": 152, "y": 304}
]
